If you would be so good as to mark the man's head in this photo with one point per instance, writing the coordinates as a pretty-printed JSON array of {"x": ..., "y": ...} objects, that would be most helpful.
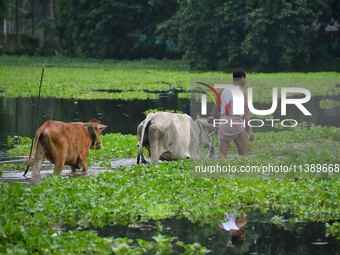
[{"x": 239, "y": 77}]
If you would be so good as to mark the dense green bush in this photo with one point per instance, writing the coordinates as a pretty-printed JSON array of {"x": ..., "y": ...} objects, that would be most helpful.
[
  {"x": 268, "y": 35},
  {"x": 111, "y": 29},
  {"x": 28, "y": 45},
  {"x": 259, "y": 35}
]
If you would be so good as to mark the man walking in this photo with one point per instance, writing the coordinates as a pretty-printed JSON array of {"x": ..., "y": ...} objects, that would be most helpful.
[{"x": 237, "y": 125}]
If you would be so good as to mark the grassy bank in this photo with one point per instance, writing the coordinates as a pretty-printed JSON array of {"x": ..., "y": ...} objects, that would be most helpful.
[{"x": 81, "y": 79}]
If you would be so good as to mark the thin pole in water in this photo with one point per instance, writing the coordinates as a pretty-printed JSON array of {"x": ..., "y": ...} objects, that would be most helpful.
[{"x": 36, "y": 119}]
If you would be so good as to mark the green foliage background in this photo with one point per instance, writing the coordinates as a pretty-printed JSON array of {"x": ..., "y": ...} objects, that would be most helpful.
[
  {"x": 270, "y": 35},
  {"x": 260, "y": 35}
]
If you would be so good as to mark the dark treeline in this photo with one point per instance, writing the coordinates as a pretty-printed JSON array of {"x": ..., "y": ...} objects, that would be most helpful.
[{"x": 262, "y": 35}]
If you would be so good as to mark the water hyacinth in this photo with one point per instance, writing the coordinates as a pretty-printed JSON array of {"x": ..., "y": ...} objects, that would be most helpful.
[{"x": 51, "y": 218}]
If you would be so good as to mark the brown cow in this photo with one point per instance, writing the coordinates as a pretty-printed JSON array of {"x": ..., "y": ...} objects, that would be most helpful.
[{"x": 66, "y": 144}]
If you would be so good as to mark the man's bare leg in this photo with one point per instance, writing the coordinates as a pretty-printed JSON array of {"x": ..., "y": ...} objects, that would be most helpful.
[
  {"x": 223, "y": 149},
  {"x": 241, "y": 144}
]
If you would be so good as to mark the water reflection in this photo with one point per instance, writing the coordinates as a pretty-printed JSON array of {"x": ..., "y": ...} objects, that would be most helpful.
[
  {"x": 234, "y": 225},
  {"x": 261, "y": 236}
]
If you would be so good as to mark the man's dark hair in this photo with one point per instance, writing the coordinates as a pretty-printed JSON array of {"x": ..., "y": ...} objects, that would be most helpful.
[{"x": 239, "y": 73}]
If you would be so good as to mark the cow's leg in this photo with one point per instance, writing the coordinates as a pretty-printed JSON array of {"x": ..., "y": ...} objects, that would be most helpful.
[
  {"x": 155, "y": 137},
  {"x": 193, "y": 148},
  {"x": 155, "y": 154},
  {"x": 39, "y": 156},
  {"x": 59, "y": 165},
  {"x": 84, "y": 164},
  {"x": 59, "y": 161}
]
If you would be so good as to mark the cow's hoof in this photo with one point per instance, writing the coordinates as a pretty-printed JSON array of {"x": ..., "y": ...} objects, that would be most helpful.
[{"x": 85, "y": 172}]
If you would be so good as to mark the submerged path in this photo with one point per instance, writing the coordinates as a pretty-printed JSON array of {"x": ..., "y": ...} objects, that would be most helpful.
[{"x": 47, "y": 169}]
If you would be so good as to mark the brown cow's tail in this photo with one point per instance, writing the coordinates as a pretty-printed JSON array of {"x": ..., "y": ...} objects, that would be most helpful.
[
  {"x": 38, "y": 137},
  {"x": 140, "y": 157}
]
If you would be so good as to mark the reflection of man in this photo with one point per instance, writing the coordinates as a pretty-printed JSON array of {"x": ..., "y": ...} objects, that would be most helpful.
[
  {"x": 236, "y": 131},
  {"x": 234, "y": 226}
]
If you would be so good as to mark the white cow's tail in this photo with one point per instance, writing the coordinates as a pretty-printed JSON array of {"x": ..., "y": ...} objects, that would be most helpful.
[{"x": 140, "y": 157}]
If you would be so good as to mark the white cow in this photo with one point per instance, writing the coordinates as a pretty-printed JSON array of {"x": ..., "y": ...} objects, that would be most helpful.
[{"x": 170, "y": 136}]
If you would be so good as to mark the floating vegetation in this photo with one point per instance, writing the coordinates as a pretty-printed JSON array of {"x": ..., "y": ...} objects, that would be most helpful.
[
  {"x": 73, "y": 78},
  {"x": 139, "y": 193},
  {"x": 123, "y": 195},
  {"x": 328, "y": 104},
  {"x": 161, "y": 110}
]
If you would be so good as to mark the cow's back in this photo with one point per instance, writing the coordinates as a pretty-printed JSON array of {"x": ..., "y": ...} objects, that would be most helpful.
[{"x": 67, "y": 140}]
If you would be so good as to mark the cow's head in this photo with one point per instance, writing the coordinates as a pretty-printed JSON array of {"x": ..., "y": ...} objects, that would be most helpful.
[
  {"x": 205, "y": 130},
  {"x": 95, "y": 129}
]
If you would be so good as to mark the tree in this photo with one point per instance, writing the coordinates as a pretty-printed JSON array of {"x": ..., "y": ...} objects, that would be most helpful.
[
  {"x": 274, "y": 35},
  {"x": 198, "y": 28},
  {"x": 107, "y": 28},
  {"x": 277, "y": 35}
]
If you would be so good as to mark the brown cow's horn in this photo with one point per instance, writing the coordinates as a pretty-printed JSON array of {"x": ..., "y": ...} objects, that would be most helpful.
[{"x": 101, "y": 126}]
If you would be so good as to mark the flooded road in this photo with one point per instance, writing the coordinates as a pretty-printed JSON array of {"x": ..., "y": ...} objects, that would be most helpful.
[{"x": 11, "y": 176}]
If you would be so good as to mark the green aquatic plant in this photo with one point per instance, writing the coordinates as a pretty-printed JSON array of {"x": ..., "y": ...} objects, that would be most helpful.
[
  {"x": 20, "y": 145},
  {"x": 139, "y": 193},
  {"x": 328, "y": 104},
  {"x": 333, "y": 229},
  {"x": 160, "y": 110},
  {"x": 113, "y": 146},
  {"x": 298, "y": 146},
  {"x": 273, "y": 142},
  {"x": 73, "y": 78},
  {"x": 17, "y": 239}
]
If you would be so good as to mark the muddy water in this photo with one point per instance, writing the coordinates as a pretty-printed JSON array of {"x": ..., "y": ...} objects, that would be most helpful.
[{"x": 47, "y": 169}]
